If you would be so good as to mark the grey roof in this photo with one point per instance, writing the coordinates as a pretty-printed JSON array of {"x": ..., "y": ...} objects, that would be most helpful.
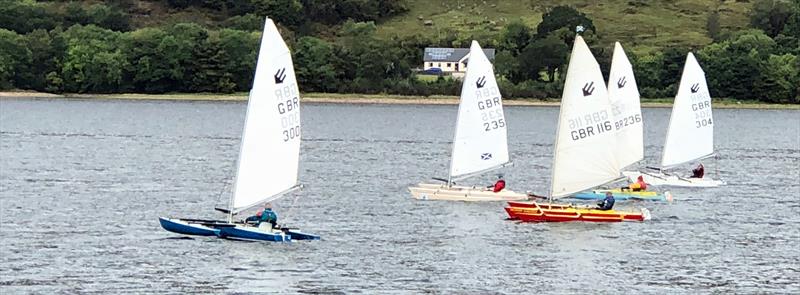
[{"x": 451, "y": 54}]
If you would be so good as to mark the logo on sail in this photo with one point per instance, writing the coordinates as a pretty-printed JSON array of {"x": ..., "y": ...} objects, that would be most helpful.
[
  {"x": 481, "y": 81},
  {"x": 621, "y": 82},
  {"x": 695, "y": 87},
  {"x": 280, "y": 75},
  {"x": 588, "y": 88},
  {"x": 486, "y": 156}
]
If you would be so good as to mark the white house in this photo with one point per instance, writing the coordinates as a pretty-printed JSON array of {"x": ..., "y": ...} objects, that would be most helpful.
[{"x": 450, "y": 60}]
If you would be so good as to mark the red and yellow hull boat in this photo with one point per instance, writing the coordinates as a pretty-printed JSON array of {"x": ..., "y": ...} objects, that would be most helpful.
[{"x": 549, "y": 212}]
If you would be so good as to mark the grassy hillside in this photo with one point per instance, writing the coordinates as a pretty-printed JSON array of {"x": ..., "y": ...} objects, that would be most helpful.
[{"x": 644, "y": 25}]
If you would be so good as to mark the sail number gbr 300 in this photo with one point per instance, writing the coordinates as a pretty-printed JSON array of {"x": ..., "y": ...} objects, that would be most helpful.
[
  {"x": 590, "y": 124},
  {"x": 289, "y": 111},
  {"x": 489, "y": 106}
]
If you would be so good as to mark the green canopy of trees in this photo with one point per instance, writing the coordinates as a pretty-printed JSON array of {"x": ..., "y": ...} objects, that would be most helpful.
[{"x": 92, "y": 48}]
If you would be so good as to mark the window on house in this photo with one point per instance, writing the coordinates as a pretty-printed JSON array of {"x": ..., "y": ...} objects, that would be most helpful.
[
  {"x": 439, "y": 65},
  {"x": 449, "y": 65},
  {"x": 430, "y": 64}
]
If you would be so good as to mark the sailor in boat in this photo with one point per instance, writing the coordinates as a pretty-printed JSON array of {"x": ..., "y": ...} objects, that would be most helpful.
[
  {"x": 638, "y": 186},
  {"x": 607, "y": 203},
  {"x": 499, "y": 185},
  {"x": 698, "y": 172},
  {"x": 266, "y": 215}
]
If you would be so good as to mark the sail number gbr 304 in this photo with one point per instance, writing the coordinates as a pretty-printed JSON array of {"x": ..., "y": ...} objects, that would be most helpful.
[
  {"x": 590, "y": 124},
  {"x": 289, "y": 111},
  {"x": 490, "y": 108}
]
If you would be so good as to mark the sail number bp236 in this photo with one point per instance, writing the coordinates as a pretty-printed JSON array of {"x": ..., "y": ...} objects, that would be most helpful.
[
  {"x": 590, "y": 124},
  {"x": 490, "y": 107},
  {"x": 288, "y": 110}
]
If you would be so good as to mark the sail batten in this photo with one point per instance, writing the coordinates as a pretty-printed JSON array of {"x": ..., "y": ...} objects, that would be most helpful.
[
  {"x": 626, "y": 107},
  {"x": 690, "y": 135},
  {"x": 480, "y": 141},
  {"x": 270, "y": 146},
  {"x": 584, "y": 152}
]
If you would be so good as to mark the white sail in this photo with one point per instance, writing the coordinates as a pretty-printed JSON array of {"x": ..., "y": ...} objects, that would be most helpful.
[
  {"x": 270, "y": 148},
  {"x": 691, "y": 130},
  {"x": 480, "y": 142},
  {"x": 585, "y": 145},
  {"x": 624, "y": 95}
]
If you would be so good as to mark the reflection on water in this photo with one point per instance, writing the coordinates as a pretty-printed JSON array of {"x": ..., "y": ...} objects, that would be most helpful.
[{"x": 83, "y": 183}]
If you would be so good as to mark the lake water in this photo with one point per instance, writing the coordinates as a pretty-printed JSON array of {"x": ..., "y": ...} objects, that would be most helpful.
[{"x": 83, "y": 183}]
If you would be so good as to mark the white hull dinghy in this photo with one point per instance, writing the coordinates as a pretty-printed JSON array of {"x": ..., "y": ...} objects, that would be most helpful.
[
  {"x": 690, "y": 135},
  {"x": 662, "y": 179},
  {"x": 428, "y": 191},
  {"x": 480, "y": 143}
]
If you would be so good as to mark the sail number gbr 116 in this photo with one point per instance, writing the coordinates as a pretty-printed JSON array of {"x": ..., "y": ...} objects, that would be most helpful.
[
  {"x": 588, "y": 125},
  {"x": 288, "y": 104}
]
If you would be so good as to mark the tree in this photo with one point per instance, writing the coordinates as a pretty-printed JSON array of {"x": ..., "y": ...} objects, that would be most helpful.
[
  {"x": 155, "y": 60},
  {"x": 733, "y": 67},
  {"x": 93, "y": 62},
  {"x": 239, "y": 50},
  {"x": 779, "y": 79},
  {"x": 772, "y": 15},
  {"x": 548, "y": 54},
  {"x": 286, "y": 12},
  {"x": 712, "y": 25},
  {"x": 515, "y": 37},
  {"x": 46, "y": 51},
  {"x": 14, "y": 56},
  {"x": 26, "y": 16},
  {"x": 314, "y": 72},
  {"x": 563, "y": 17}
]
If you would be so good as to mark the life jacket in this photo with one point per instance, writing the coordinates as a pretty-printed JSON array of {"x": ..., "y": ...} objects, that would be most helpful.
[
  {"x": 499, "y": 185},
  {"x": 698, "y": 172},
  {"x": 642, "y": 185}
]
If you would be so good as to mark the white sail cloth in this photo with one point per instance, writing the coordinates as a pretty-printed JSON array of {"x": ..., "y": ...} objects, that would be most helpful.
[
  {"x": 691, "y": 128},
  {"x": 626, "y": 108},
  {"x": 585, "y": 154},
  {"x": 480, "y": 142},
  {"x": 270, "y": 148}
]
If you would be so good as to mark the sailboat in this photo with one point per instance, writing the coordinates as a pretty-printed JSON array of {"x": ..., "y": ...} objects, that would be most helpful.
[
  {"x": 480, "y": 144},
  {"x": 627, "y": 112},
  {"x": 690, "y": 136},
  {"x": 269, "y": 156},
  {"x": 585, "y": 148}
]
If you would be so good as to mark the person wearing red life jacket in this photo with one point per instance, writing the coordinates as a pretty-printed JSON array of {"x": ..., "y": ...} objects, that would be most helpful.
[
  {"x": 499, "y": 185},
  {"x": 699, "y": 171},
  {"x": 637, "y": 186}
]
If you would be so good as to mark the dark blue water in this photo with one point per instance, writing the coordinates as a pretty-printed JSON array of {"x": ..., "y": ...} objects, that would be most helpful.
[{"x": 82, "y": 183}]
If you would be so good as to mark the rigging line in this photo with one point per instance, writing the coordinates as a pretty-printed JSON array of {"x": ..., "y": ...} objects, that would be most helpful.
[
  {"x": 291, "y": 207},
  {"x": 225, "y": 184}
]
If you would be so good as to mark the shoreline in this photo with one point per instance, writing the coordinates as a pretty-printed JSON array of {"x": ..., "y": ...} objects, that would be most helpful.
[{"x": 365, "y": 99}]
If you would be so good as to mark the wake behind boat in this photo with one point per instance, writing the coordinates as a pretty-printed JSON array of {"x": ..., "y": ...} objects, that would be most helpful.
[
  {"x": 480, "y": 144},
  {"x": 584, "y": 151},
  {"x": 268, "y": 162},
  {"x": 690, "y": 135}
]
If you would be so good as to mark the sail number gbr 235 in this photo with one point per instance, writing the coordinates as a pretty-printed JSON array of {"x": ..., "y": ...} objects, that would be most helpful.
[
  {"x": 490, "y": 108},
  {"x": 590, "y": 124},
  {"x": 288, "y": 104}
]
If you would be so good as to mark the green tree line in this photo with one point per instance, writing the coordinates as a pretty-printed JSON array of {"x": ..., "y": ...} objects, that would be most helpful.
[{"x": 94, "y": 48}]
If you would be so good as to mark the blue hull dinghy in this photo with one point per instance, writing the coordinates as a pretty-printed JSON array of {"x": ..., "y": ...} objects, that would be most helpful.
[{"x": 269, "y": 157}]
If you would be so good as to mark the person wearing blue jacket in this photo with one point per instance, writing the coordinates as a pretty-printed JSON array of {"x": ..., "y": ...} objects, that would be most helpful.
[
  {"x": 266, "y": 215},
  {"x": 607, "y": 203}
]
